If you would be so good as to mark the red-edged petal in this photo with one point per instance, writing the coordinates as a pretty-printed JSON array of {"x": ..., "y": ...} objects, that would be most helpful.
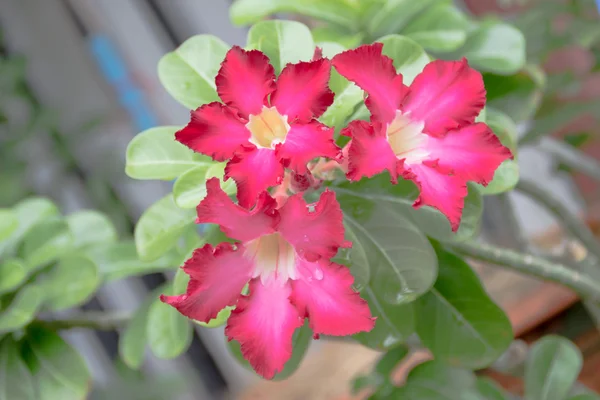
[
  {"x": 264, "y": 323},
  {"x": 375, "y": 74},
  {"x": 305, "y": 142},
  {"x": 214, "y": 130},
  {"x": 217, "y": 277},
  {"x": 369, "y": 152},
  {"x": 473, "y": 152},
  {"x": 245, "y": 80},
  {"x": 314, "y": 234},
  {"x": 237, "y": 222},
  {"x": 254, "y": 171},
  {"x": 446, "y": 95},
  {"x": 439, "y": 190},
  {"x": 323, "y": 293},
  {"x": 302, "y": 90}
]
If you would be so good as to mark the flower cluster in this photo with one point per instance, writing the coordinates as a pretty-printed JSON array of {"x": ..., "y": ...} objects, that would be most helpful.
[{"x": 267, "y": 131}]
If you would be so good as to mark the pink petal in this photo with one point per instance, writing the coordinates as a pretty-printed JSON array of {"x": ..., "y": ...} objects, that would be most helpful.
[
  {"x": 439, "y": 190},
  {"x": 473, "y": 152},
  {"x": 214, "y": 130},
  {"x": 375, "y": 74},
  {"x": 236, "y": 222},
  {"x": 264, "y": 323},
  {"x": 369, "y": 152},
  {"x": 305, "y": 142},
  {"x": 314, "y": 234},
  {"x": 217, "y": 277},
  {"x": 446, "y": 95},
  {"x": 302, "y": 90},
  {"x": 245, "y": 80},
  {"x": 254, "y": 171},
  {"x": 323, "y": 293}
]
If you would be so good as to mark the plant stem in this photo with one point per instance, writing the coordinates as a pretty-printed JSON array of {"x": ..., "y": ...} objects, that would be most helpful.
[
  {"x": 101, "y": 321},
  {"x": 531, "y": 265},
  {"x": 572, "y": 223},
  {"x": 572, "y": 157}
]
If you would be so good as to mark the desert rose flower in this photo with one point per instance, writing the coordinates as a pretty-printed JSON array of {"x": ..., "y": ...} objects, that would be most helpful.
[
  {"x": 284, "y": 253},
  {"x": 426, "y": 132},
  {"x": 263, "y": 125}
]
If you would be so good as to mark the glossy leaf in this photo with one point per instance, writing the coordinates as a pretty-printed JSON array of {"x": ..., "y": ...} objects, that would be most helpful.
[
  {"x": 13, "y": 273},
  {"x": 190, "y": 188},
  {"x": 495, "y": 47},
  {"x": 219, "y": 320},
  {"x": 409, "y": 57},
  {"x": 134, "y": 339},
  {"x": 489, "y": 390},
  {"x": 91, "y": 227},
  {"x": 72, "y": 281},
  {"x": 120, "y": 260},
  {"x": 457, "y": 320},
  {"x": 169, "y": 332},
  {"x": 160, "y": 227},
  {"x": 345, "y": 13},
  {"x": 338, "y": 35},
  {"x": 16, "y": 382},
  {"x": 188, "y": 73},
  {"x": 282, "y": 41},
  {"x": 300, "y": 342},
  {"x": 8, "y": 223},
  {"x": 57, "y": 369},
  {"x": 354, "y": 258},
  {"x": 585, "y": 396},
  {"x": 440, "y": 28},
  {"x": 45, "y": 242},
  {"x": 400, "y": 198},
  {"x": 433, "y": 380},
  {"x": 155, "y": 154},
  {"x": 393, "y": 15},
  {"x": 552, "y": 367},
  {"x": 22, "y": 310}
]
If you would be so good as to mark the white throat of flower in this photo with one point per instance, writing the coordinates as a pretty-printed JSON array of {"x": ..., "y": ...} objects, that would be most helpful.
[
  {"x": 406, "y": 138},
  {"x": 273, "y": 257},
  {"x": 268, "y": 129}
]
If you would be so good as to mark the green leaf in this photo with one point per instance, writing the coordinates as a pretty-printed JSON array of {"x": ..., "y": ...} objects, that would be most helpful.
[
  {"x": 133, "y": 340},
  {"x": 282, "y": 41},
  {"x": 408, "y": 56},
  {"x": 72, "y": 281},
  {"x": 155, "y": 154},
  {"x": 394, "y": 15},
  {"x": 495, "y": 47},
  {"x": 190, "y": 189},
  {"x": 22, "y": 309},
  {"x": 503, "y": 126},
  {"x": 585, "y": 396},
  {"x": 333, "y": 34},
  {"x": 90, "y": 227},
  {"x": 355, "y": 258},
  {"x": 380, "y": 377},
  {"x": 45, "y": 242},
  {"x": 160, "y": 227},
  {"x": 489, "y": 390},
  {"x": 57, "y": 368},
  {"x": 219, "y": 320},
  {"x": 551, "y": 368},
  {"x": 401, "y": 197},
  {"x": 169, "y": 332},
  {"x": 189, "y": 72},
  {"x": 300, "y": 342},
  {"x": 8, "y": 223},
  {"x": 457, "y": 320},
  {"x": 13, "y": 273},
  {"x": 120, "y": 260},
  {"x": 340, "y": 12},
  {"x": 16, "y": 382},
  {"x": 433, "y": 380},
  {"x": 441, "y": 28},
  {"x": 402, "y": 263}
]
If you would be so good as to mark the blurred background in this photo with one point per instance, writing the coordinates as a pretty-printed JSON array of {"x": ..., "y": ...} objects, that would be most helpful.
[{"x": 78, "y": 80}]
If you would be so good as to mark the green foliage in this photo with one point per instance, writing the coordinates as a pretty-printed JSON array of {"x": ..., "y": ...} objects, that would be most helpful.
[{"x": 16, "y": 381}]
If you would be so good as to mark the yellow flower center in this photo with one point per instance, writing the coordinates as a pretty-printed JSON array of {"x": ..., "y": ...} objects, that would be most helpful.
[
  {"x": 406, "y": 138},
  {"x": 268, "y": 128},
  {"x": 273, "y": 256}
]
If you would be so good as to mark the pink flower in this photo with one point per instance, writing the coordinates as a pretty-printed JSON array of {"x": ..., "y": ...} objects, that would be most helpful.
[
  {"x": 265, "y": 125},
  {"x": 426, "y": 132},
  {"x": 284, "y": 253}
]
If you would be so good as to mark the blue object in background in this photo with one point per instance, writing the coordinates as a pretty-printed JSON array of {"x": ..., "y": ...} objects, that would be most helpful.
[{"x": 116, "y": 73}]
